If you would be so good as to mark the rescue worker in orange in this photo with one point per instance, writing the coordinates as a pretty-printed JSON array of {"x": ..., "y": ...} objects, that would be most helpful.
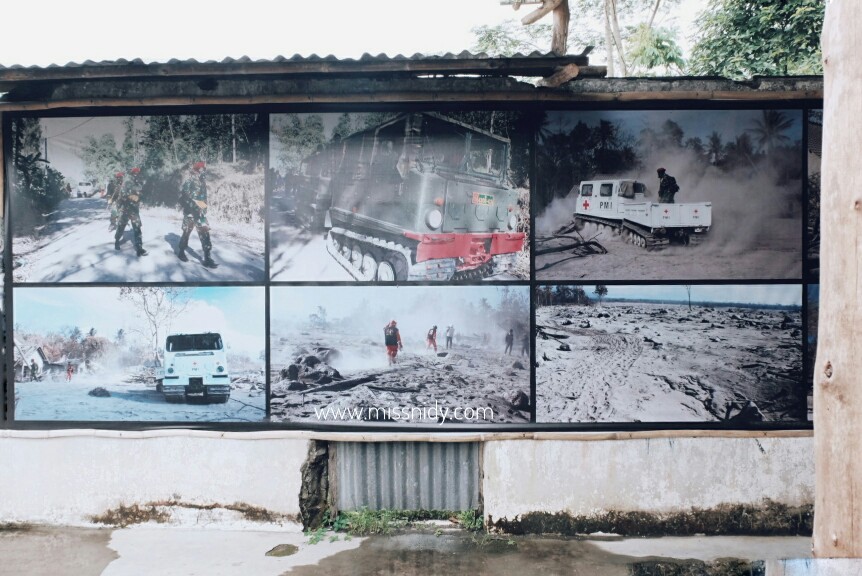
[
  {"x": 392, "y": 339},
  {"x": 431, "y": 339}
]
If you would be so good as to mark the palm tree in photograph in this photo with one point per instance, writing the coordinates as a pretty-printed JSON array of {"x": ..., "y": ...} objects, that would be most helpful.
[{"x": 769, "y": 131}]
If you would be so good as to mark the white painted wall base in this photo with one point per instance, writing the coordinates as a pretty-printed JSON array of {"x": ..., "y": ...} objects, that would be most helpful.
[
  {"x": 65, "y": 477},
  {"x": 656, "y": 475}
]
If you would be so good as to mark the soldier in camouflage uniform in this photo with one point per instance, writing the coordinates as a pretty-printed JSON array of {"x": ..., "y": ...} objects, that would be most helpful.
[
  {"x": 129, "y": 205},
  {"x": 667, "y": 187},
  {"x": 115, "y": 187},
  {"x": 193, "y": 200}
]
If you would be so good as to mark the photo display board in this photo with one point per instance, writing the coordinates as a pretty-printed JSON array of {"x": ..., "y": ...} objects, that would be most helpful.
[{"x": 413, "y": 269}]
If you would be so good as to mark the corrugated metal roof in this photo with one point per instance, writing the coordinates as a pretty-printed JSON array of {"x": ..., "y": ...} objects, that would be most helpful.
[
  {"x": 407, "y": 475},
  {"x": 534, "y": 64},
  {"x": 464, "y": 55}
]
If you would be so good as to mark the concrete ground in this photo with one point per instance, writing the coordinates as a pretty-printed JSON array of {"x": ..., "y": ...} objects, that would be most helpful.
[{"x": 151, "y": 549}]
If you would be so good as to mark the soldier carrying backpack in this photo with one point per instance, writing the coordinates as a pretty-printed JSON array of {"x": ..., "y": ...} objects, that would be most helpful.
[{"x": 667, "y": 187}]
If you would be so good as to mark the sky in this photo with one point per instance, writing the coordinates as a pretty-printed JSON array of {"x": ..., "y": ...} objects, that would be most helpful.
[
  {"x": 160, "y": 30},
  {"x": 236, "y": 313},
  {"x": 297, "y": 302},
  {"x": 771, "y": 294}
]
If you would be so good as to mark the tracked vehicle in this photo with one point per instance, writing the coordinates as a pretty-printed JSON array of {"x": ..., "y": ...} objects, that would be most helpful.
[
  {"x": 194, "y": 369},
  {"x": 420, "y": 197},
  {"x": 624, "y": 205}
]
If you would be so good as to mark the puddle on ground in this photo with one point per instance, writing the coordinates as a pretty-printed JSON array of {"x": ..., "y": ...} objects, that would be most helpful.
[
  {"x": 458, "y": 554},
  {"x": 56, "y": 551}
]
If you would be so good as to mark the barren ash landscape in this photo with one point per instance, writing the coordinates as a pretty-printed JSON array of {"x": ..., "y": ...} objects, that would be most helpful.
[
  {"x": 344, "y": 370},
  {"x": 629, "y": 361}
]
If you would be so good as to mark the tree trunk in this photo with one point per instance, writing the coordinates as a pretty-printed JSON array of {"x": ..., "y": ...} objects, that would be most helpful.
[
  {"x": 559, "y": 41},
  {"x": 654, "y": 12},
  {"x": 233, "y": 137},
  {"x": 609, "y": 43},
  {"x": 838, "y": 368},
  {"x": 618, "y": 39}
]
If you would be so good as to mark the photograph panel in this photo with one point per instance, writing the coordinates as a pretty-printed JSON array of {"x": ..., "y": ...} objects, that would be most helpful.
[
  {"x": 669, "y": 195},
  {"x": 400, "y": 196},
  {"x": 138, "y": 198},
  {"x": 815, "y": 155},
  {"x": 813, "y": 315},
  {"x": 669, "y": 353},
  {"x": 140, "y": 354},
  {"x": 408, "y": 356}
]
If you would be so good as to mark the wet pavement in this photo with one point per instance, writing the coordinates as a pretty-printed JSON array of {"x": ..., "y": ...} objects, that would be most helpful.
[{"x": 182, "y": 552}]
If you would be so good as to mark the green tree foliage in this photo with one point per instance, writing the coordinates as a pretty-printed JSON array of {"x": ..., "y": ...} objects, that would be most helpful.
[
  {"x": 567, "y": 155},
  {"x": 655, "y": 49},
  {"x": 102, "y": 158},
  {"x": 511, "y": 37},
  {"x": 739, "y": 38},
  {"x": 635, "y": 47},
  {"x": 561, "y": 295},
  {"x": 298, "y": 136},
  {"x": 518, "y": 127},
  {"x": 37, "y": 187},
  {"x": 343, "y": 128}
]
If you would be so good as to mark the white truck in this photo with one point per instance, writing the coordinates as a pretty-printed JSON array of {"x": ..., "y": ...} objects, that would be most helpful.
[
  {"x": 194, "y": 369},
  {"x": 623, "y": 205}
]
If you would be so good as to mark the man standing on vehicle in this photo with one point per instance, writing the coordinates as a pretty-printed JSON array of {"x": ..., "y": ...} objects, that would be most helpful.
[
  {"x": 130, "y": 211},
  {"x": 193, "y": 200},
  {"x": 667, "y": 187},
  {"x": 392, "y": 339}
]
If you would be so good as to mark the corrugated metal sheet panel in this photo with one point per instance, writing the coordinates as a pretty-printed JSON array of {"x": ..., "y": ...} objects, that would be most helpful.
[
  {"x": 464, "y": 55},
  {"x": 407, "y": 475}
]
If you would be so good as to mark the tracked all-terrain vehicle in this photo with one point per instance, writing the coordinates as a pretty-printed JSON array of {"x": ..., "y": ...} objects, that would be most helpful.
[
  {"x": 421, "y": 197},
  {"x": 624, "y": 205},
  {"x": 194, "y": 369}
]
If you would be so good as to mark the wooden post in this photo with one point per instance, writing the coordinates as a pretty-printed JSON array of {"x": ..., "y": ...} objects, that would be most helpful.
[
  {"x": 838, "y": 368},
  {"x": 560, "y": 39}
]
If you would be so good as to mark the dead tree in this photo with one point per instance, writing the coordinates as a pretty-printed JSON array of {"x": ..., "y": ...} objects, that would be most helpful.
[
  {"x": 560, "y": 10},
  {"x": 838, "y": 368}
]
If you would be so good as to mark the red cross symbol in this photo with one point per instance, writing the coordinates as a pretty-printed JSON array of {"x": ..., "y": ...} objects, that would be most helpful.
[
  {"x": 695, "y": 211},
  {"x": 586, "y": 204},
  {"x": 665, "y": 210}
]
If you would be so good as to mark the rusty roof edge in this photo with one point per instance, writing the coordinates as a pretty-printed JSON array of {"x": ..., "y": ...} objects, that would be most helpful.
[{"x": 137, "y": 68}]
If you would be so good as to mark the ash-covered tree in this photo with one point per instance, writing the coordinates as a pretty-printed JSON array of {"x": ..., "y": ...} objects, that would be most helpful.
[
  {"x": 514, "y": 309},
  {"x": 739, "y": 39},
  {"x": 158, "y": 307},
  {"x": 601, "y": 291}
]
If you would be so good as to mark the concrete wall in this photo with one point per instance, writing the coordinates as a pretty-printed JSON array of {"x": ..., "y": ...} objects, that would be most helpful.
[
  {"x": 65, "y": 477},
  {"x": 655, "y": 475}
]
